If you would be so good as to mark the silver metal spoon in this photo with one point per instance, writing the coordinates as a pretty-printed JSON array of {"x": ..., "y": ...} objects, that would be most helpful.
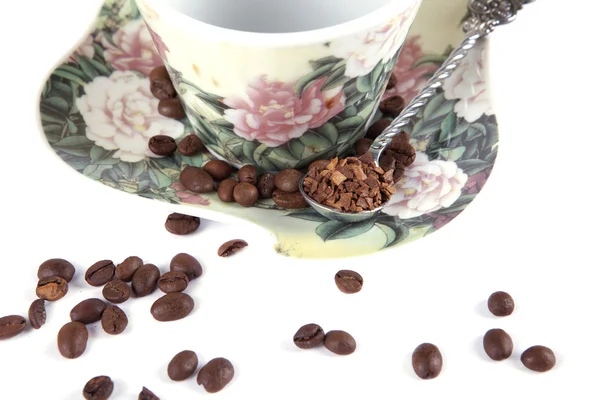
[{"x": 484, "y": 17}]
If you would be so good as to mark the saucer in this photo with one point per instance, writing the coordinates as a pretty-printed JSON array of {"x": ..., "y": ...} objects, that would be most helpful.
[{"x": 97, "y": 114}]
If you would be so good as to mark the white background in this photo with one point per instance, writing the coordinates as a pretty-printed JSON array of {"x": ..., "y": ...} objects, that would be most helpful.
[{"x": 531, "y": 232}]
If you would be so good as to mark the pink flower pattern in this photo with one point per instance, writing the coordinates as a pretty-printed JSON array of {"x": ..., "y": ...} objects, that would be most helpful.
[
  {"x": 187, "y": 197},
  {"x": 85, "y": 49},
  {"x": 161, "y": 47}
]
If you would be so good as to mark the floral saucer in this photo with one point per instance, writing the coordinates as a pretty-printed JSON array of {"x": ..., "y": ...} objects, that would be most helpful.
[{"x": 98, "y": 113}]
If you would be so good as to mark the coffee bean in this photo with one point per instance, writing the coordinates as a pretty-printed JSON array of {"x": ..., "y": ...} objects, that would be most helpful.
[
  {"x": 172, "y": 306},
  {"x": 362, "y": 146},
  {"x": 401, "y": 150},
  {"x": 225, "y": 191},
  {"x": 340, "y": 342},
  {"x": 187, "y": 264},
  {"x": 248, "y": 174},
  {"x": 181, "y": 224},
  {"x": 145, "y": 280},
  {"x": 146, "y": 394},
  {"x": 215, "y": 375},
  {"x": 497, "y": 344},
  {"x": 88, "y": 311},
  {"x": 289, "y": 200},
  {"x": 52, "y": 288},
  {"x": 116, "y": 291},
  {"x": 197, "y": 180},
  {"x": 160, "y": 83},
  {"x": 427, "y": 361},
  {"x": 392, "y": 82},
  {"x": 190, "y": 145},
  {"x": 377, "y": 128},
  {"x": 218, "y": 169},
  {"x": 114, "y": 320},
  {"x": 183, "y": 365},
  {"x": 245, "y": 194},
  {"x": 56, "y": 267},
  {"x": 288, "y": 180},
  {"x": 98, "y": 388},
  {"x": 266, "y": 185},
  {"x": 100, "y": 273},
  {"x": 231, "y": 247},
  {"x": 173, "y": 281},
  {"x": 501, "y": 304},
  {"x": 162, "y": 145},
  {"x": 11, "y": 326},
  {"x": 37, "y": 314},
  {"x": 309, "y": 336},
  {"x": 538, "y": 358},
  {"x": 348, "y": 281},
  {"x": 127, "y": 268},
  {"x": 72, "y": 339},
  {"x": 171, "y": 108},
  {"x": 392, "y": 106}
]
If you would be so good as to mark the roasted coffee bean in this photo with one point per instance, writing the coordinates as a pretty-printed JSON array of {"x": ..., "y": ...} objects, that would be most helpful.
[
  {"x": 37, "y": 314},
  {"x": 501, "y": 304},
  {"x": 127, "y": 268},
  {"x": 183, "y": 365},
  {"x": 88, "y": 311},
  {"x": 11, "y": 326},
  {"x": 162, "y": 145},
  {"x": 146, "y": 394},
  {"x": 497, "y": 344},
  {"x": 56, "y": 267},
  {"x": 348, "y": 281},
  {"x": 100, "y": 273},
  {"x": 114, "y": 320},
  {"x": 215, "y": 375},
  {"x": 187, "y": 264},
  {"x": 309, "y": 336},
  {"x": 160, "y": 83},
  {"x": 218, "y": 169},
  {"x": 145, "y": 280},
  {"x": 289, "y": 200},
  {"x": 288, "y": 180},
  {"x": 362, "y": 146},
  {"x": 266, "y": 185},
  {"x": 181, "y": 224},
  {"x": 392, "y": 106},
  {"x": 116, "y": 291},
  {"x": 230, "y": 247},
  {"x": 225, "y": 191},
  {"x": 190, "y": 145},
  {"x": 392, "y": 82},
  {"x": 72, "y": 339},
  {"x": 427, "y": 361},
  {"x": 245, "y": 194},
  {"x": 538, "y": 358},
  {"x": 248, "y": 174},
  {"x": 197, "y": 180},
  {"x": 172, "y": 306},
  {"x": 386, "y": 162},
  {"x": 377, "y": 128},
  {"x": 404, "y": 153},
  {"x": 98, "y": 388},
  {"x": 340, "y": 342},
  {"x": 171, "y": 108},
  {"x": 173, "y": 281},
  {"x": 52, "y": 288}
]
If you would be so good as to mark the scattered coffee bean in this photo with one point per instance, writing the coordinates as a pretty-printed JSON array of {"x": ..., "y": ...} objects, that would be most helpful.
[
  {"x": 289, "y": 200},
  {"x": 145, "y": 280},
  {"x": 392, "y": 82},
  {"x": 497, "y": 344},
  {"x": 171, "y": 108},
  {"x": 98, "y": 388},
  {"x": 162, "y": 145},
  {"x": 248, "y": 174},
  {"x": 190, "y": 145},
  {"x": 181, "y": 224},
  {"x": 231, "y": 247},
  {"x": 392, "y": 106},
  {"x": 340, "y": 342},
  {"x": 245, "y": 194},
  {"x": 266, "y": 185},
  {"x": 501, "y": 304},
  {"x": 348, "y": 281},
  {"x": 100, "y": 273},
  {"x": 538, "y": 358},
  {"x": 116, "y": 291},
  {"x": 225, "y": 191},
  {"x": 88, "y": 311},
  {"x": 427, "y": 361},
  {"x": 173, "y": 281},
  {"x": 401, "y": 150},
  {"x": 377, "y": 128},
  {"x": 114, "y": 320},
  {"x": 11, "y": 326},
  {"x": 127, "y": 268},
  {"x": 172, "y": 307},
  {"x": 52, "y": 288},
  {"x": 197, "y": 180},
  {"x": 288, "y": 180},
  {"x": 218, "y": 169},
  {"x": 37, "y": 314},
  {"x": 183, "y": 365},
  {"x": 160, "y": 83},
  {"x": 215, "y": 375},
  {"x": 146, "y": 394},
  {"x": 56, "y": 267},
  {"x": 362, "y": 146},
  {"x": 72, "y": 339},
  {"x": 309, "y": 336},
  {"x": 187, "y": 264}
]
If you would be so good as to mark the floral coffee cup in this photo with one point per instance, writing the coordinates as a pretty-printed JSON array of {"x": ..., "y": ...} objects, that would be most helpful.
[{"x": 279, "y": 83}]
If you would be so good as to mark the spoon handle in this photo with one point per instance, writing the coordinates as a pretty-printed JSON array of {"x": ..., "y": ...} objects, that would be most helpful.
[{"x": 485, "y": 16}]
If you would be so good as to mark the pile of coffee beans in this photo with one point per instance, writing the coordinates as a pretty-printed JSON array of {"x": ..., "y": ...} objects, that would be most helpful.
[{"x": 312, "y": 335}]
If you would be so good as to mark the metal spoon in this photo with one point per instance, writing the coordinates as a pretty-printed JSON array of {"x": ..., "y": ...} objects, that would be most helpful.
[{"x": 484, "y": 17}]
